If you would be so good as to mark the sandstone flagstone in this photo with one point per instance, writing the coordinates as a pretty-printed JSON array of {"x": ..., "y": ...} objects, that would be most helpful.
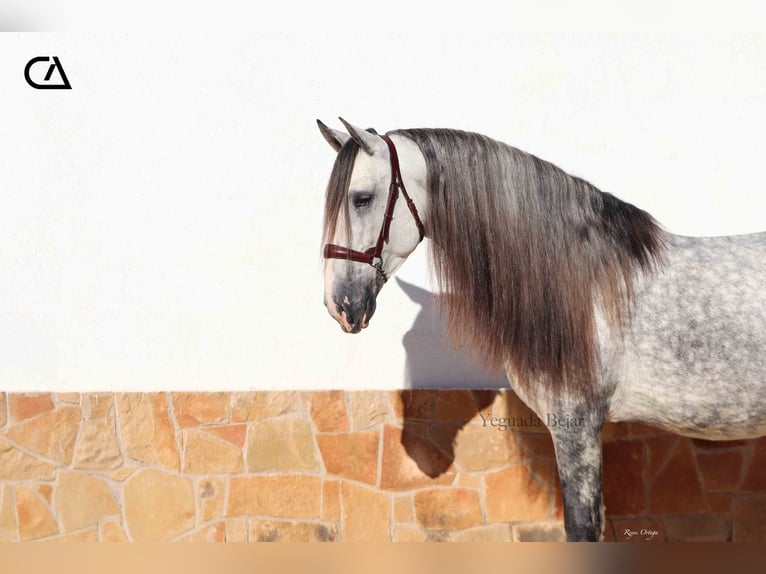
[
  {"x": 51, "y": 435},
  {"x": 18, "y": 465},
  {"x": 450, "y": 508},
  {"x": 235, "y": 434},
  {"x": 410, "y": 461},
  {"x": 45, "y": 491},
  {"x": 612, "y": 430},
  {"x": 367, "y": 409},
  {"x": 403, "y": 511},
  {"x": 720, "y": 470},
  {"x": 35, "y": 519},
  {"x": 749, "y": 525},
  {"x": 659, "y": 450},
  {"x": 514, "y": 495},
  {"x": 194, "y": 409},
  {"x": 67, "y": 398},
  {"x": 507, "y": 405},
  {"x": 703, "y": 444},
  {"x": 96, "y": 406},
  {"x": 104, "y": 466},
  {"x": 539, "y": 533},
  {"x": 414, "y": 404},
  {"x": 210, "y": 495},
  {"x": 281, "y": 445},
  {"x": 331, "y": 499},
  {"x": 158, "y": 505},
  {"x": 407, "y": 533},
  {"x": 623, "y": 477},
  {"x": 484, "y": 448},
  {"x": 351, "y": 455},
  {"x": 206, "y": 454},
  {"x": 27, "y": 406},
  {"x": 82, "y": 500},
  {"x": 147, "y": 431},
  {"x": 487, "y": 533},
  {"x": 533, "y": 445},
  {"x": 755, "y": 478},
  {"x": 609, "y": 534},
  {"x": 236, "y": 529},
  {"x": 455, "y": 406},
  {"x": 328, "y": 410},
  {"x": 7, "y": 512},
  {"x": 677, "y": 489},
  {"x": 365, "y": 514},
  {"x": 212, "y": 533},
  {"x": 719, "y": 503},
  {"x": 90, "y": 535},
  {"x": 97, "y": 446},
  {"x": 288, "y": 495},
  {"x": 282, "y": 531},
  {"x": 697, "y": 529},
  {"x": 444, "y": 436},
  {"x": 122, "y": 473},
  {"x": 640, "y": 429},
  {"x": 112, "y": 531},
  {"x": 254, "y": 406},
  {"x": 468, "y": 479},
  {"x": 546, "y": 472}
]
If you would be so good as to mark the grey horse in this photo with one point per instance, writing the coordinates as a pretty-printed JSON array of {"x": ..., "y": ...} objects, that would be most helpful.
[{"x": 593, "y": 310}]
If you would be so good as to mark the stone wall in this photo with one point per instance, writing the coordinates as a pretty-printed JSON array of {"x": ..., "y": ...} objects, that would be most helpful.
[{"x": 337, "y": 465}]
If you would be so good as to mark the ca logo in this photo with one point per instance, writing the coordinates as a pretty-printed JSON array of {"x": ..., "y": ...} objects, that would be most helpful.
[{"x": 49, "y": 81}]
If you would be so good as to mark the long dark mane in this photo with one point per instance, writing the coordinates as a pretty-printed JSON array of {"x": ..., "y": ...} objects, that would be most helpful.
[{"x": 525, "y": 253}]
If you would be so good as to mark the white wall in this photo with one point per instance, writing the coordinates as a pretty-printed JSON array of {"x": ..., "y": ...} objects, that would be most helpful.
[{"x": 160, "y": 222}]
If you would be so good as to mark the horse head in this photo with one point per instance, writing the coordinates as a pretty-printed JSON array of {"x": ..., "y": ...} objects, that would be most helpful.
[{"x": 374, "y": 201}]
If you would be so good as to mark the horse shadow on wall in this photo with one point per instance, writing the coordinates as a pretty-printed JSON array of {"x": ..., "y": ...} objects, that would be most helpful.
[
  {"x": 432, "y": 361},
  {"x": 448, "y": 389}
]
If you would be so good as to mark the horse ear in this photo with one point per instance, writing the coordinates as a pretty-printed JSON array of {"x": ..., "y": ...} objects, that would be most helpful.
[
  {"x": 368, "y": 141},
  {"x": 335, "y": 138}
]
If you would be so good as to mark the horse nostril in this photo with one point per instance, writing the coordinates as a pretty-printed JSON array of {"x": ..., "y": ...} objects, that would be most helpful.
[{"x": 340, "y": 308}]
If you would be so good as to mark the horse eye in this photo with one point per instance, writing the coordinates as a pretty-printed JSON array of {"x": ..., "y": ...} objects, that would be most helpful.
[{"x": 360, "y": 200}]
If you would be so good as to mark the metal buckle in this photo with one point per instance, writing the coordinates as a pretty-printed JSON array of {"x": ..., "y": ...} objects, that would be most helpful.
[{"x": 377, "y": 263}]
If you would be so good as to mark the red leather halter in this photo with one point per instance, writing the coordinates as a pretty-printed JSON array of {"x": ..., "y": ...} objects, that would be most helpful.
[{"x": 372, "y": 256}]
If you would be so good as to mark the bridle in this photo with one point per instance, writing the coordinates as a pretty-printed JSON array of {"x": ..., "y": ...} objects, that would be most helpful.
[{"x": 372, "y": 256}]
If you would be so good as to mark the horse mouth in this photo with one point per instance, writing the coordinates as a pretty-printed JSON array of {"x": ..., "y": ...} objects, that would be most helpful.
[
  {"x": 352, "y": 318},
  {"x": 355, "y": 328}
]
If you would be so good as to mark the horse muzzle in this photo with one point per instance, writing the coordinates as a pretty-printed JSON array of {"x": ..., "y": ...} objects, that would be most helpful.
[{"x": 353, "y": 310}]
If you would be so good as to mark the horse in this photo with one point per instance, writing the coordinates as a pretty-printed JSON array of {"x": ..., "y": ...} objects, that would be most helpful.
[{"x": 593, "y": 310}]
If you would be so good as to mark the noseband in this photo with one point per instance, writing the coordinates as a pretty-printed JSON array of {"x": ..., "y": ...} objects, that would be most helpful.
[{"x": 372, "y": 256}]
